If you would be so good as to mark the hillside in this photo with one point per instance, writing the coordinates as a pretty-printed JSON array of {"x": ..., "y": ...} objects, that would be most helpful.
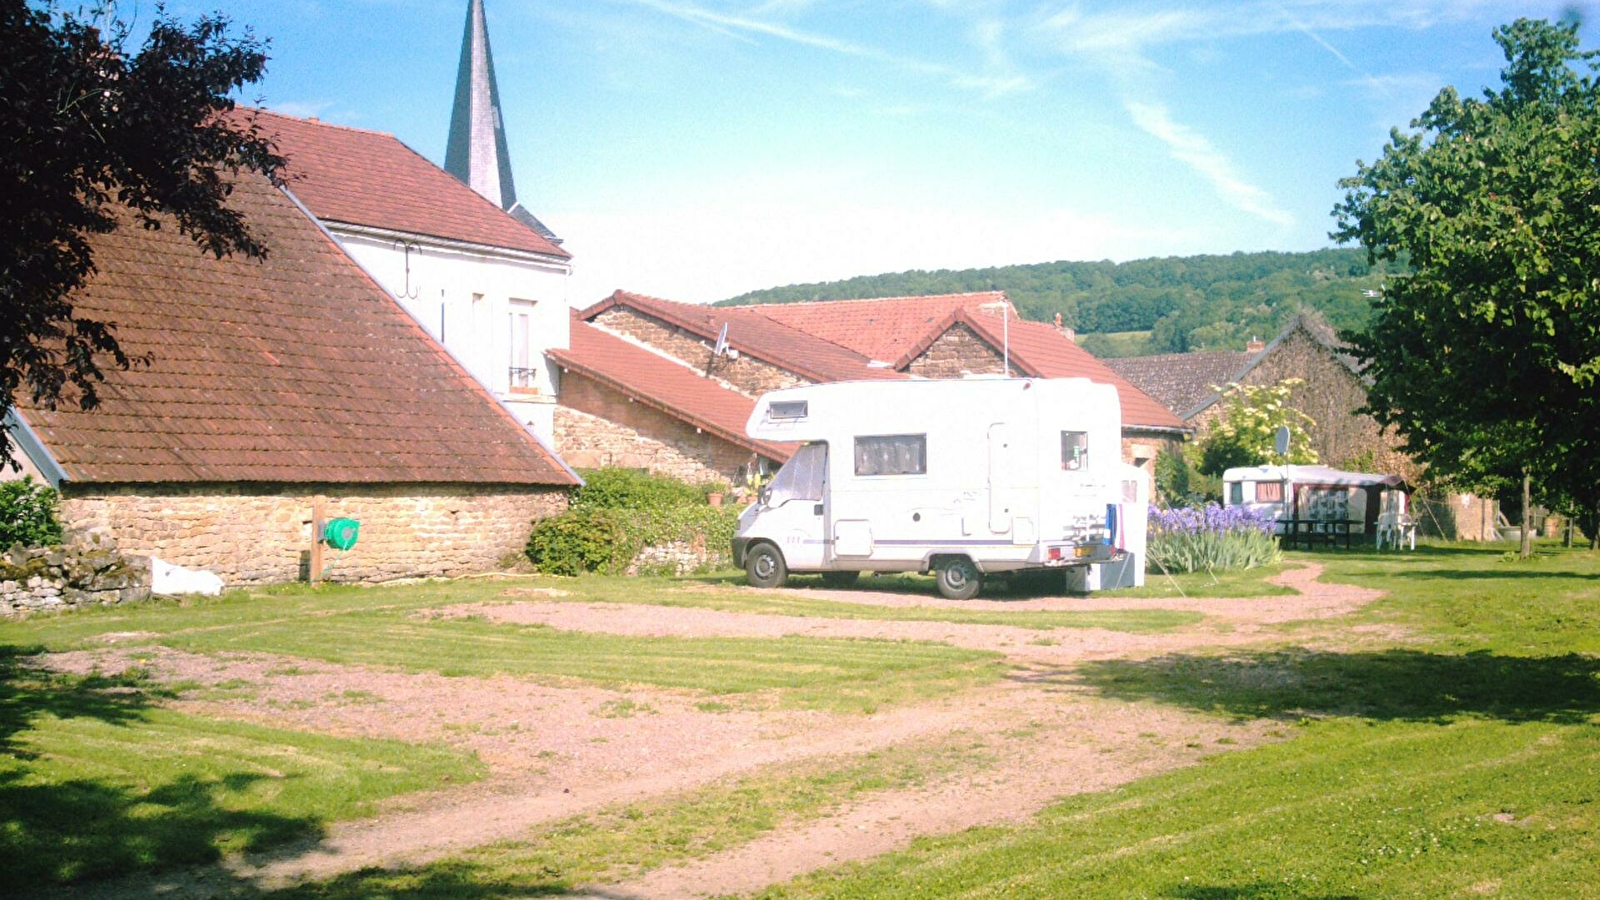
[{"x": 1169, "y": 305}]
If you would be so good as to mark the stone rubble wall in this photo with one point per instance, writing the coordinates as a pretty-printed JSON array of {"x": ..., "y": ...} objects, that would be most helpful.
[
  {"x": 680, "y": 558},
  {"x": 598, "y": 426},
  {"x": 957, "y": 352},
  {"x": 77, "y": 575},
  {"x": 262, "y": 534}
]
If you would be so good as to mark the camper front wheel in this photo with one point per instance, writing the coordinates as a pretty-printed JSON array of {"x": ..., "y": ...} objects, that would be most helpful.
[
  {"x": 764, "y": 566},
  {"x": 959, "y": 579}
]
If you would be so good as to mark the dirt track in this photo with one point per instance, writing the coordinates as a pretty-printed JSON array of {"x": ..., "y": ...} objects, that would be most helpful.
[{"x": 559, "y": 752}]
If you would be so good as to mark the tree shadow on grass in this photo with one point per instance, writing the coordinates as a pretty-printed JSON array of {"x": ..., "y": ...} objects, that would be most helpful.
[
  {"x": 1395, "y": 684},
  {"x": 57, "y": 830}
]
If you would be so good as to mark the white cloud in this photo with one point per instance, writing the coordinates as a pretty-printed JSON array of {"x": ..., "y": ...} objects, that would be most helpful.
[{"x": 1192, "y": 148}]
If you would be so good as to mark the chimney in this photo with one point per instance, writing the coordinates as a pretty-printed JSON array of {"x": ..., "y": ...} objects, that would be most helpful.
[
  {"x": 1255, "y": 345},
  {"x": 1071, "y": 334}
]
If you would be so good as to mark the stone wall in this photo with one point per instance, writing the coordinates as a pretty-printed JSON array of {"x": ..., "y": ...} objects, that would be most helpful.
[
  {"x": 1330, "y": 395},
  {"x": 956, "y": 352},
  {"x": 81, "y": 574},
  {"x": 598, "y": 426},
  {"x": 262, "y": 534},
  {"x": 746, "y": 374}
]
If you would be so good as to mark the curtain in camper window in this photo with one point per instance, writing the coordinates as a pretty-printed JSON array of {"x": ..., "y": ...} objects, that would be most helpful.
[
  {"x": 801, "y": 477},
  {"x": 892, "y": 454}
]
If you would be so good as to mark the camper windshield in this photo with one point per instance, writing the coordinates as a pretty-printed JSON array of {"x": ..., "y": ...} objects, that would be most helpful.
[{"x": 801, "y": 477}]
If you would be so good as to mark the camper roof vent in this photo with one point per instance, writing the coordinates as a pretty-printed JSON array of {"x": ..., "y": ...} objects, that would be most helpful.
[{"x": 787, "y": 409}]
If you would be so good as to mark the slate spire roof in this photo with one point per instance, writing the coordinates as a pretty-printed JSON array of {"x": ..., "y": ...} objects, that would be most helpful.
[{"x": 476, "y": 151}]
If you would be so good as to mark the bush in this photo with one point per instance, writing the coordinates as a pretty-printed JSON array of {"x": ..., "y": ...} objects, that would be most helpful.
[
  {"x": 618, "y": 513},
  {"x": 578, "y": 541},
  {"x": 30, "y": 514},
  {"x": 632, "y": 489},
  {"x": 1210, "y": 538}
]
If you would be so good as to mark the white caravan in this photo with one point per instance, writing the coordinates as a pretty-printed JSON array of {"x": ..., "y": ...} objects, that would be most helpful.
[{"x": 959, "y": 478}]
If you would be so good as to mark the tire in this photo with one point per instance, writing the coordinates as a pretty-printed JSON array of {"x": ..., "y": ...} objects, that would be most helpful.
[
  {"x": 839, "y": 579},
  {"x": 958, "y": 578},
  {"x": 764, "y": 566}
]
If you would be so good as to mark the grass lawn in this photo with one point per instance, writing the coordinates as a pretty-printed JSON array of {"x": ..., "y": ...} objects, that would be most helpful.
[
  {"x": 95, "y": 780},
  {"x": 1452, "y": 751},
  {"x": 1464, "y": 764}
]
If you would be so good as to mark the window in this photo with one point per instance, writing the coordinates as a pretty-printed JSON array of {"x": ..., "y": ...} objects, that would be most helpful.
[
  {"x": 1236, "y": 494},
  {"x": 801, "y": 477},
  {"x": 1269, "y": 492},
  {"x": 524, "y": 370},
  {"x": 892, "y": 454},
  {"x": 1074, "y": 450},
  {"x": 788, "y": 409}
]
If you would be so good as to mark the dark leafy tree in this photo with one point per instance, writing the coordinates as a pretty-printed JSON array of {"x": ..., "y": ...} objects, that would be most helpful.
[
  {"x": 89, "y": 127},
  {"x": 1485, "y": 357}
]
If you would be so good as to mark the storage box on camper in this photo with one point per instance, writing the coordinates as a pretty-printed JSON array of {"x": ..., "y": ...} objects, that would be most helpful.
[{"x": 959, "y": 478}]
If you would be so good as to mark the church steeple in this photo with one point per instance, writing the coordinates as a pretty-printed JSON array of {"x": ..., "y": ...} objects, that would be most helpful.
[{"x": 476, "y": 150}]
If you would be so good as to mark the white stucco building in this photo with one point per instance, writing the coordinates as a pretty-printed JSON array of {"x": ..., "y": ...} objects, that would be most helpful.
[{"x": 483, "y": 282}]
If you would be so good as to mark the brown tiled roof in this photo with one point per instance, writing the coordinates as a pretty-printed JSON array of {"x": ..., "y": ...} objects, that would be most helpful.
[
  {"x": 750, "y": 332},
  {"x": 881, "y": 328},
  {"x": 1040, "y": 350},
  {"x": 1182, "y": 381},
  {"x": 663, "y": 384},
  {"x": 295, "y": 369},
  {"x": 369, "y": 178}
]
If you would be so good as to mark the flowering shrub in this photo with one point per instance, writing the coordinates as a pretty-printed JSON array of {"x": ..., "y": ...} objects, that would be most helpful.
[{"x": 1210, "y": 538}]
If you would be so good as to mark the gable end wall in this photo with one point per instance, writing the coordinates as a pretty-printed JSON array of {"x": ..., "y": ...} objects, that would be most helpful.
[{"x": 748, "y": 375}]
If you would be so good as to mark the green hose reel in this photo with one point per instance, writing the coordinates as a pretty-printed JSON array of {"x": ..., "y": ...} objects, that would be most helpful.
[{"x": 341, "y": 534}]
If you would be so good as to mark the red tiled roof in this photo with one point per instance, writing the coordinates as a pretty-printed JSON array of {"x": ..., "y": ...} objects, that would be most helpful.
[
  {"x": 296, "y": 368},
  {"x": 1040, "y": 350},
  {"x": 752, "y": 333},
  {"x": 668, "y": 386},
  {"x": 369, "y": 178},
  {"x": 881, "y": 328}
]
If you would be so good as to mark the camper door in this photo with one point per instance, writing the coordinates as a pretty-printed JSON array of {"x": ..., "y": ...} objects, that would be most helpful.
[{"x": 795, "y": 502}]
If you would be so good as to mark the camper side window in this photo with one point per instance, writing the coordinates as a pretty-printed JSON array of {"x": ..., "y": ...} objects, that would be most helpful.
[
  {"x": 892, "y": 454},
  {"x": 1269, "y": 492},
  {"x": 1236, "y": 493},
  {"x": 1074, "y": 450}
]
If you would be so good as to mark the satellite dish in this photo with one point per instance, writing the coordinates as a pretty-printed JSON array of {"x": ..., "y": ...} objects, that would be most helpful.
[
  {"x": 722, "y": 341},
  {"x": 1280, "y": 443}
]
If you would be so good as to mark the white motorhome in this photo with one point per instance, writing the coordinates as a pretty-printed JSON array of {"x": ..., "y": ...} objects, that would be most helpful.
[{"x": 959, "y": 478}]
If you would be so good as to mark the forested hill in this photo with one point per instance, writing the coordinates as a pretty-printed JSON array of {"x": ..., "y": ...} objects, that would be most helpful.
[{"x": 1171, "y": 305}]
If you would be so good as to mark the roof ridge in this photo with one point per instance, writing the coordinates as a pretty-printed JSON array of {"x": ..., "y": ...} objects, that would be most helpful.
[
  {"x": 313, "y": 120},
  {"x": 844, "y": 300}
]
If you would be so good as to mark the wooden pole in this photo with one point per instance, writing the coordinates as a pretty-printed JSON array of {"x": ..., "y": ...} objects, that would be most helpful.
[
  {"x": 316, "y": 539},
  {"x": 1527, "y": 503}
]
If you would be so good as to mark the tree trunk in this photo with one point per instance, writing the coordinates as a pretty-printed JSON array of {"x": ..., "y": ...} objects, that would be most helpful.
[{"x": 1527, "y": 505}]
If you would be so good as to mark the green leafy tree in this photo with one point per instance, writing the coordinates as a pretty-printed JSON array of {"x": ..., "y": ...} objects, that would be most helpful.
[
  {"x": 1485, "y": 357},
  {"x": 1247, "y": 431},
  {"x": 30, "y": 514},
  {"x": 87, "y": 126}
]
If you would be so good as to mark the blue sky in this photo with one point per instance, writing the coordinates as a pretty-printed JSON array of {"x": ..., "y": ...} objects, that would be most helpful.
[{"x": 694, "y": 150}]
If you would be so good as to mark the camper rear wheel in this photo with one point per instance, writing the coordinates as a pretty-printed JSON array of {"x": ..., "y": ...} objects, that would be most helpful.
[
  {"x": 958, "y": 578},
  {"x": 764, "y": 566}
]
